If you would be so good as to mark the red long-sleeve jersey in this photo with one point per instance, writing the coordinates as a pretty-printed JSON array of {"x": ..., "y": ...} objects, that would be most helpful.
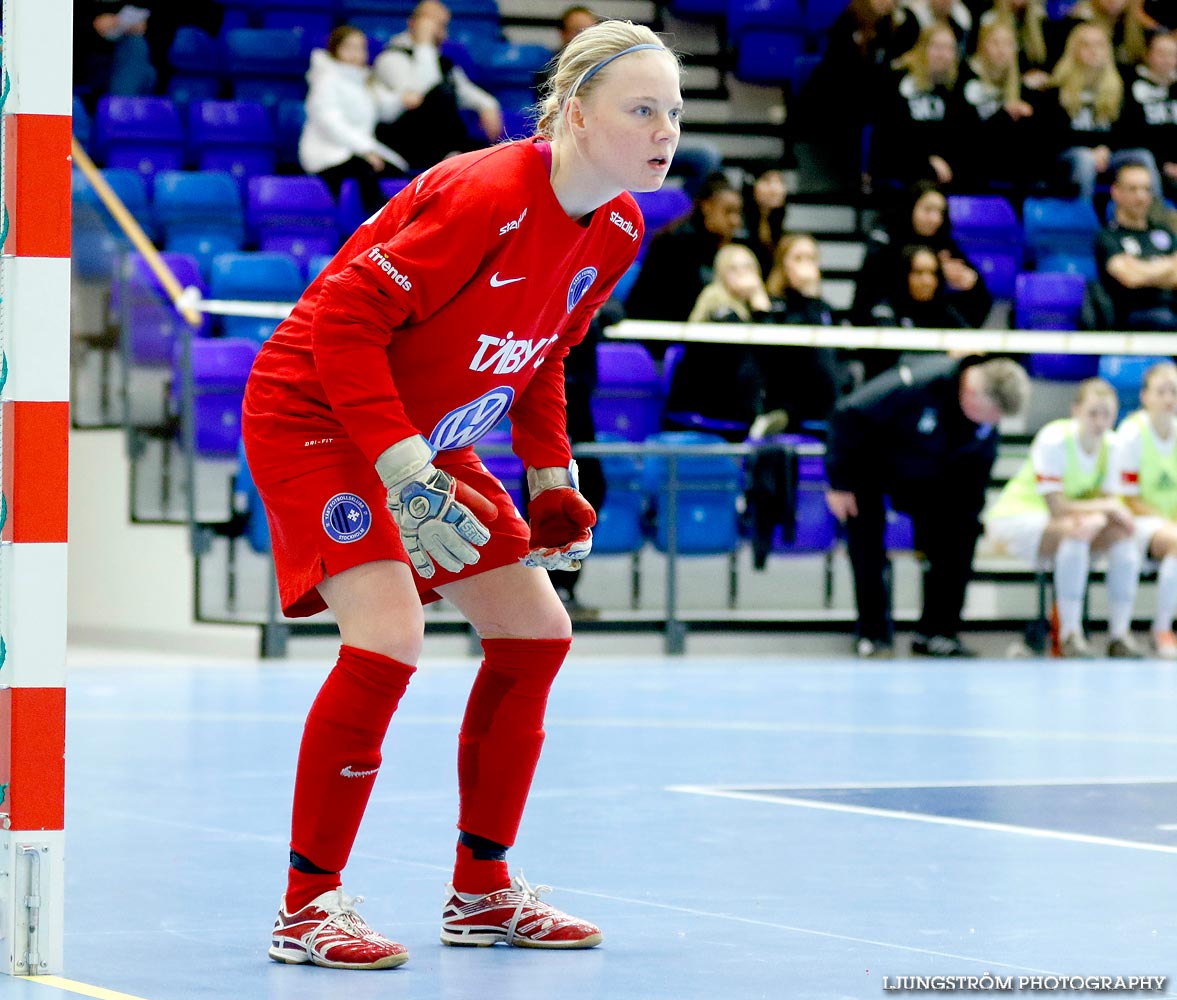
[{"x": 455, "y": 303}]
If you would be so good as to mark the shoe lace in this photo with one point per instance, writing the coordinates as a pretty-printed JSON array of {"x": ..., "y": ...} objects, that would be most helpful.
[
  {"x": 347, "y": 919},
  {"x": 528, "y": 896}
]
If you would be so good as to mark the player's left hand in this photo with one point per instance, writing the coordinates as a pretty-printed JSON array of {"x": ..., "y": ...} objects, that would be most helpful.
[{"x": 561, "y": 520}]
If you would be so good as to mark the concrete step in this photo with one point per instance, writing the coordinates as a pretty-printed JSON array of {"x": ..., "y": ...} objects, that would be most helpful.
[{"x": 817, "y": 218}]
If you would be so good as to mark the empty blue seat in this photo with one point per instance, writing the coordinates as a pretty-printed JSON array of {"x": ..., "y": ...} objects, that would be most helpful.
[
  {"x": 219, "y": 368},
  {"x": 248, "y": 502},
  {"x": 199, "y": 213},
  {"x": 508, "y": 64},
  {"x": 270, "y": 91},
  {"x": 706, "y": 10},
  {"x": 1049, "y": 301},
  {"x": 987, "y": 220},
  {"x": 1070, "y": 263},
  {"x": 97, "y": 240},
  {"x": 383, "y": 8},
  {"x": 150, "y": 324},
  {"x": 380, "y": 28},
  {"x": 621, "y": 517},
  {"x": 82, "y": 124},
  {"x": 662, "y": 207},
  {"x": 1058, "y": 225},
  {"x": 1062, "y": 367},
  {"x": 1126, "y": 374},
  {"x": 289, "y": 117},
  {"x": 708, "y": 497},
  {"x": 1000, "y": 269},
  {"x": 820, "y": 16},
  {"x": 311, "y": 28},
  {"x": 186, "y": 89},
  {"x": 254, "y": 277},
  {"x": 142, "y": 133},
  {"x": 767, "y": 57},
  {"x": 628, "y": 397},
  {"x": 263, "y": 52},
  {"x": 295, "y": 215},
  {"x": 194, "y": 51},
  {"x": 747, "y": 16},
  {"x": 234, "y": 136},
  {"x": 505, "y": 466}
]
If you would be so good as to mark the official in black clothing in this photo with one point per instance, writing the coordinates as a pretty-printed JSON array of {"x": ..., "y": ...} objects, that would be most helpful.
[{"x": 925, "y": 435}]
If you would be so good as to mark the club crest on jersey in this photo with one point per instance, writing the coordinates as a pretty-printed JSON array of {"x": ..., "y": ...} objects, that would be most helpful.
[
  {"x": 466, "y": 424},
  {"x": 622, "y": 223},
  {"x": 505, "y": 354},
  {"x": 346, "y": 518},
  {"x": 580, "y": 284},
  {"x": 513, "y": 224},
  {"x": 388, "y": 268}
]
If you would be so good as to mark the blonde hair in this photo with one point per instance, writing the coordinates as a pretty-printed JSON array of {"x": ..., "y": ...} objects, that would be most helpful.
[
  {"x": 915, "y": 59},
  {"x": 1157, "y": 369},
  {"x": 1095, "y": 387},
  {"x": 716, "y": 298},
  {"x": 1135, "y": 42},
  {"x": 1072, "y": 80},
  {"x": 1005, "y": 382},
  {"x": 1027, "y": 29},
  {"x": 589, "y": 49},
  {"x": 777, "y": 282},
  {"x": 1010, "y": 81}
]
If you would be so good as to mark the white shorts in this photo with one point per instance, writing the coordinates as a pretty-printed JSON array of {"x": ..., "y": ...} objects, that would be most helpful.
[
  {"x": 1144, "y": 528},
  {"x": 1018, "y": 536}
]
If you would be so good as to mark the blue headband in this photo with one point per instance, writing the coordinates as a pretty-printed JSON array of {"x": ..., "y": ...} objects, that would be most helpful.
[{"x": 593, "y": 71}]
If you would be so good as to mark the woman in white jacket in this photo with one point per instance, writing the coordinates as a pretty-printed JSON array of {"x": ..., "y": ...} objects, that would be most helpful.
[{"x": 344, "y": 103}]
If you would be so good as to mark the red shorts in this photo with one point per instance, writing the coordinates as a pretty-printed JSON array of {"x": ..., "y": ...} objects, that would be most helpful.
[{"x": 330, "y": 515}]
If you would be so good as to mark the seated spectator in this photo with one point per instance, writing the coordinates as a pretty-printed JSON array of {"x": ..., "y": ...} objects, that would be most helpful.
[
  {"x": 573, "y": 21},
  {"x": 921, "y": 219},
  {"x": 111, "y": 55},
  {"x": 996, "y": 118},
  {"x": 764, "y": 214},
  {"x": 914, "y": 134},
  {"x": 1136, "y": 257},
  {"x": 1026, "y": 19},
  {"x": 678, "y": 262},
  {"x": 1120, "y": 20},
  {"x": 1149, "y": 118},
  {"x": 832, "y": 109},
  {"x": 1146, "y": 468},
  {"x": 926, "y": 436},
  {"x": 338, "y": 139},
  {"x": 1087, "y": 96},
  {"x": 423, "y": 122},
  {"x": 1060, "y": 508},
  {"x": 915, "y": 16}
]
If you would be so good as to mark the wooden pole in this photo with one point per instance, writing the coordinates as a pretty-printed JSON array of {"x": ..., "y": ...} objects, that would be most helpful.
[{"x": 129, "y": 225}]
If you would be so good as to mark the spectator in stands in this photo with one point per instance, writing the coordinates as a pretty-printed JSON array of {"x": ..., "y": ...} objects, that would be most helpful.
[
  {"x": 1087, "y": 98},
  {"x": 572, "y": 22},
  {"x": 167, "y": 18},
  {"x": 921, "y": 219},
  {"x": 678, "y": 263},
  {"x": 1146, "y": 468},
  {"x": 915, "y": 136},
  {"x": 424, "y": 122},
  {"x": 1149, "y": 118},
  {"x": 916, "y": 16},
  {"x": 926, "y": 436},
  {"x": 1026, "y": 19},
  {"x": 764, "y": 213},
  {"x": 111, "y": 55},
  {"x": 996, "y": 118},
  {"x": 834, "y": 106},
  {"x": 1122, "y": 21},
  {"x": 1136, "y": 257},
  {"x": 1060, "y": 508},
  {"x": 338, "y": 140}
]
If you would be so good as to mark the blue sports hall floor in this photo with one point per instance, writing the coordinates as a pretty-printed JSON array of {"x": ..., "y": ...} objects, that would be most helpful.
[{"x": 739, "y": 827}]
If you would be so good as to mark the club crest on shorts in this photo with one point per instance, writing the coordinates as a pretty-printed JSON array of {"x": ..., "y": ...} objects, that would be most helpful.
[
  {"x": 466, "y": 424},
  {"x": 580, "y": 284},
  {"x": 346, "y": 518}
]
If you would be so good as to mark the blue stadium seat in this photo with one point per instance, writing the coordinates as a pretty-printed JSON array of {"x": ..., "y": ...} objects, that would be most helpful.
[
  {"x": 316, "y": 264},
  {"x": 234, "y": 136},
  {"x": 150, "y": 324},
  {"x": 289, "y": 117},
  {"x": 626, "y": 282},
  {"x": 1049, "y": 301},
  {"x": 295, "y": 215},
  {"x": 767, "y": 57},
  {"x": 311, "y": 28},
  {"x": 986, "y": 220},
  {"x": 247, "y": 501},
  {"x": 271, "y": 91},
  {"x": 815, "y": 528},
  {"x": 662, "y": 207},
  {"x": 1062, "y": 367},
  {"x": 382, "y": 8},
  {"x": 82, "y": 125},
  {"x": 820, "y": 16},
  {"x": 508, "y": 64},
  {"x": 999, "y": 268},
  {"x": 199, "y": 213},
  {"x": 507, "y": 468},
  {"x": 142, "y": 133},
  {"x": 194, "y": 52},
  {"x": 1058, "y": 225},
  {"x": 747, "y": 16},
  {"x": 1126, "y": 374},
  {"x": 185, "y": 90},
  {"x": 263, "y": 52},
  {"x": 706, "y": 10},
  {"x": 380, "y": 28},
  {"x": 1070, "y": 263},
  {"x": 621, "y": 518},
  {"x": 628, "y": 398},
  {"x": 97, "y": 240},
  {"x": 710, "y": 488},
  {"x": 254, "y": 277},
  {"x": 220, "y": 366}
]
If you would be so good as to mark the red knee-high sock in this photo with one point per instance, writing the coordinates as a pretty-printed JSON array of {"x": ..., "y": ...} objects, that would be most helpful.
[
  {"x": 499, "y": 746},
  {"x": 337, "y": 764}
]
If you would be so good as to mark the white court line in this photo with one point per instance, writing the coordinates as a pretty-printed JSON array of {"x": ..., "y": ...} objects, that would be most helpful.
[{"x": 973, "y": 824}]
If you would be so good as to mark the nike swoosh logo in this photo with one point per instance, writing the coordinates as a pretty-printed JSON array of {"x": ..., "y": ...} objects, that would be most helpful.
[
  {"x": 347, "y": 772},
  {"x": 497, "y": 282}
]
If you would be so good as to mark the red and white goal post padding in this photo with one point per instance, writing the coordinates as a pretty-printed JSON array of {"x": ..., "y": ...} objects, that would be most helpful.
[{"x": 34, "y": 428}]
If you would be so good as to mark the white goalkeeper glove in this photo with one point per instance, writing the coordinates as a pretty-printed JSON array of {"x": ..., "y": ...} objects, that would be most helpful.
[{"x": 440, "y": 518}]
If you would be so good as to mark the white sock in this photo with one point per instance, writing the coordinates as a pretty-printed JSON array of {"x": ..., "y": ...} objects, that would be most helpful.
[
  {"x": 1071, "y": 565},
  {"x": 1123, "y": 578},
  {"x": 1166, "y": 595}
]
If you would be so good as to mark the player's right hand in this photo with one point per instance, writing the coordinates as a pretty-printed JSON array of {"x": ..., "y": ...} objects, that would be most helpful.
[{"x": 439, "y": 517}]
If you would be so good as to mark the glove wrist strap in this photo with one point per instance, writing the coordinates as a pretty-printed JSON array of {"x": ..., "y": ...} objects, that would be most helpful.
[
  {"x": 403, "y": 460},
  {"x": 550, "y": 478}
]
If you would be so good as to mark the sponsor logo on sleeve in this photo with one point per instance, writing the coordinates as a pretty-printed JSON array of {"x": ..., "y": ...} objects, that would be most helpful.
[
  {"x": 579, "y": 285},
  {"x": 377, "y": 256},
  {"x": 514, "y": 224},
  {"x": 624, "y": 224},
  {"x": 466, "y": 424}
]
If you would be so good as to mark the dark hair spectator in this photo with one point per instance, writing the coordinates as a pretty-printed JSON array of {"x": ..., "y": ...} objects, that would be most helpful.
[
  {"x": 678, "y": 263},
  {"x": 764, "y": 213},
  {"x": 1150, "y": 99}
]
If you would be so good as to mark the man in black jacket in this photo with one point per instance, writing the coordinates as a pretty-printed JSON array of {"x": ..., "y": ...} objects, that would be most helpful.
[{"x": 924, "y": 435}]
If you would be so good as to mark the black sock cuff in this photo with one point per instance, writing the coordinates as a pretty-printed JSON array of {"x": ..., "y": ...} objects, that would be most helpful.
[
  {"x": 481, "y": 848},
  {"x": 306, "y": 866}
]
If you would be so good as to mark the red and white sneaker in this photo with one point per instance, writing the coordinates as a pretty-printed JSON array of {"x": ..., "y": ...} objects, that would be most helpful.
[
  {"x": 329, "y": 932},
  {"x": 515, "y": 915}
]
